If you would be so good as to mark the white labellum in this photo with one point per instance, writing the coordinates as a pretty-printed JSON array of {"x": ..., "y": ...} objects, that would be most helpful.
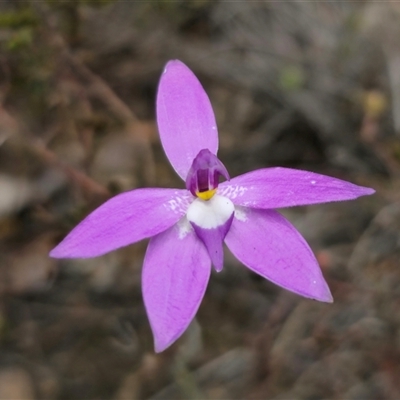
[{"x": 212, "y": 213}]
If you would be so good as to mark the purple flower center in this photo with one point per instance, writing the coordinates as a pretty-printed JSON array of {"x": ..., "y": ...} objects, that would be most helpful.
[{"x": 203, "y": 177}]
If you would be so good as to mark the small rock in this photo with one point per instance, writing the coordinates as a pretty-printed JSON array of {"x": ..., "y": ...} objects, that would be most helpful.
[{"x": 16, "y": 384}]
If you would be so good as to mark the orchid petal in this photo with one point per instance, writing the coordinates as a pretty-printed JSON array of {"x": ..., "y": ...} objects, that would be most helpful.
[
  {"x": 185, "y": 117},
  {"x": 176, "y": 271},
  {"x": 284, "y": 187},
  {"x": 269, "y": 245},
  {"x": 122, "y": 220}
]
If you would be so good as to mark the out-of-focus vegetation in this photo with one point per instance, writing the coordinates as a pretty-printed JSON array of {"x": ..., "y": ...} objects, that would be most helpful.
[{"x": 312, "y": 85}]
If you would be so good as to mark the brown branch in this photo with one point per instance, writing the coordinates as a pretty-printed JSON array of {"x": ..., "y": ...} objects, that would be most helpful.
[
  {"x": 74, "y": 175},
  {"x": 14, "y": 129},
  {"x": 98, "y": 87},
  {"x": 95, "y": 85}
]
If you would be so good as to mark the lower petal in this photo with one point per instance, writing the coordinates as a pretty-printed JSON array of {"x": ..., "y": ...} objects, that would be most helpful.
[
  {"x": 269, "y": 245},
  {"x": 213, "y": 239},
  {"x": 176, "y": 271},
  {"x": 211, "y": 221}
]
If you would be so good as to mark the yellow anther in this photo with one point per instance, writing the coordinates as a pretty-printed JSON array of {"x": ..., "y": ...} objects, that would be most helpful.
[{"x": 206, "y": 195}]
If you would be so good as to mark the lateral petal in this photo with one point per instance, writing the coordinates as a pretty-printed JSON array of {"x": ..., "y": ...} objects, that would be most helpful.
[
  {"x": 122, "y": 220},
  {"x": 269, "y": 245},
  {"x": 285, "y": 187},
  {"x": 185, "y": 117},
  {"x": 175, "y": 275}
]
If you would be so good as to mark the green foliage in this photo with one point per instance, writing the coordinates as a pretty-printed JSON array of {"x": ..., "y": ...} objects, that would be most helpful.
[
  {"x": 18, "y": 26},
  {"x": 76, "y": 3},
  {"x": 291, "y": 77},
  {"x": 21, "y": 18},
  {"x": 21, "y": 38}
]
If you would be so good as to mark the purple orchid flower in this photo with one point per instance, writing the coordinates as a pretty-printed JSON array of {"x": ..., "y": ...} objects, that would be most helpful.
[{"x": 188, "y": 226}]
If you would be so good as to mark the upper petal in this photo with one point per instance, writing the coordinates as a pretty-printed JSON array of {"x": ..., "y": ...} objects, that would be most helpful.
[
  {"x": 175, "y": 275},
  {"x": 285, "y": 187},
  {"x": 122, "y": 220},
  {"x": 185, "y": 117},
  {"x": 269, "y": 245}
]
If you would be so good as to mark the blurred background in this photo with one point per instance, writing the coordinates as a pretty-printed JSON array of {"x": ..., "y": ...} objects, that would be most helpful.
[{"x": 312, "y": 85}]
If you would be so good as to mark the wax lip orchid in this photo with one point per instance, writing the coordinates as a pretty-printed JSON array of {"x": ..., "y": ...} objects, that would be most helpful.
[{"x": 188, "y": 226}]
